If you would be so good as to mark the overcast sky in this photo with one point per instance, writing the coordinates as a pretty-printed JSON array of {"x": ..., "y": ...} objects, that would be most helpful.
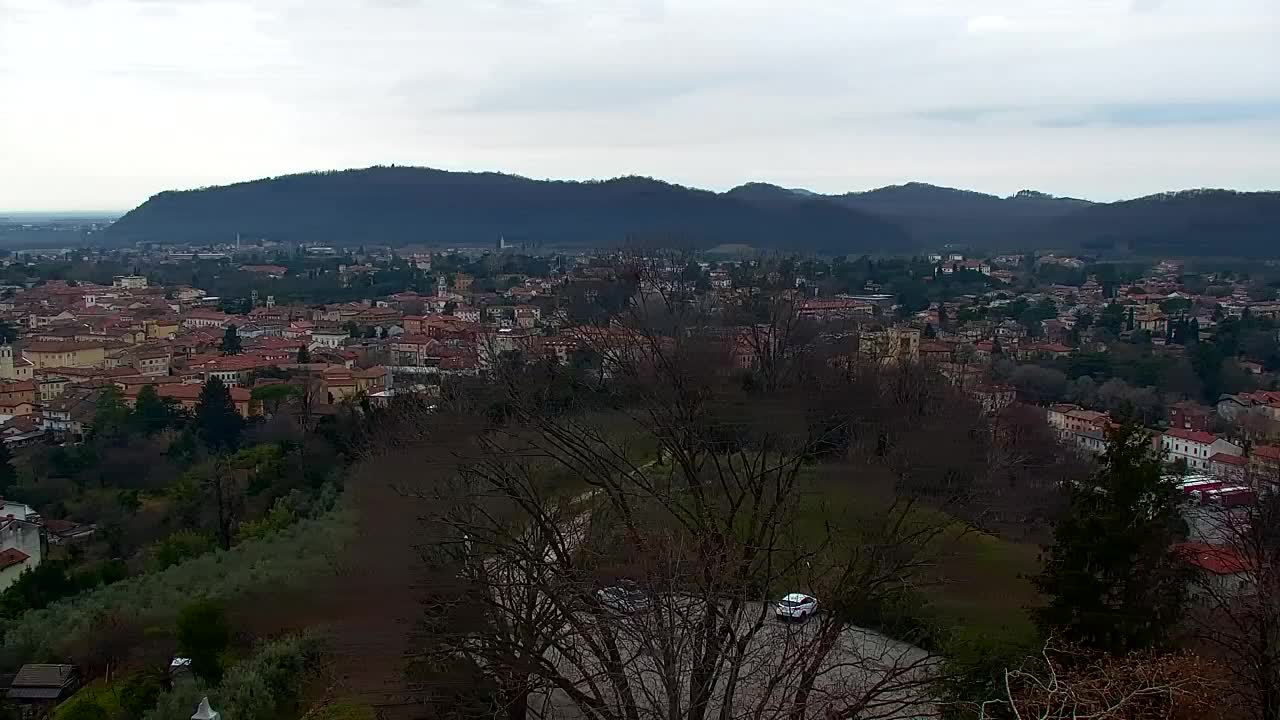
[{"x": 106, "y": 102}]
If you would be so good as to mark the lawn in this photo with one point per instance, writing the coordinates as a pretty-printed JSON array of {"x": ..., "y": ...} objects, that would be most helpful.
[{"x": 980, "y": 582}]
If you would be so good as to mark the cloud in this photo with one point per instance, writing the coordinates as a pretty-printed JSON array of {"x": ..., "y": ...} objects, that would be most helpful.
[
  {"x": 839, "y": 94},
  {"x": 1150, "y": 115},
  {"x": 989, "y": 24}
]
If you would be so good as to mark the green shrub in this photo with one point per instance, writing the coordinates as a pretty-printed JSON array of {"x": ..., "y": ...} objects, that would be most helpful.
[
  {"x": 180, "y": 547},
  {"x": 303, "y": 552},
  {"x": 203, "y": 636},
  {"x": 262, "y": 687}
]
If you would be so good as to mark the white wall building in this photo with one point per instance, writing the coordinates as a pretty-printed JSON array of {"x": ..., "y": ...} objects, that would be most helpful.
[
  {"x": 1196, "y": 448},
  {"x": 21, "y": 547}
]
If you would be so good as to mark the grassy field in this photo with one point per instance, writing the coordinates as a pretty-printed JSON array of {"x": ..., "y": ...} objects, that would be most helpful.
[{"x": 978, "y": 581}]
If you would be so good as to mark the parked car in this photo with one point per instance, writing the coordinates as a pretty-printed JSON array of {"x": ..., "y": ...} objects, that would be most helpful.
[
  {"x": 624, "y": 598},
  {"x": 795, "y": 606}
]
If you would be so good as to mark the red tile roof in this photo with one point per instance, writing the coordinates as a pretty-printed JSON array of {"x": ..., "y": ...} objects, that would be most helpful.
[
  {"x": 1217, "y": 559},
  {"x": 191, "y": 391},
  {"x": 1197, "y": 436},
  {"x": 12, "y": 556},
  {"x": 1227, "y": 459},
  {"x": 1268, "y": 452}
]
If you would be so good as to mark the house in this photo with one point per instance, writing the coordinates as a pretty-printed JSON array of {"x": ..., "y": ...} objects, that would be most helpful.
[
  {"x": 1090, "y": 441},
  {"x": 1264, "y": 463},
  {"x": 271, "y": 271},
  {"x": 40, "y": 687},
  {"x": 14, "y": 368},
  {"x": 21, "y": 431},
  {"x": 466, "y": 313},
  {"x": 152, "y": 362},
  {"x": 129, "y": 282},
  {"x": 14, "y": 393},
  {"x": 1228, "y": 467},
  {"x": 1195, "y": 447},
  {"x": 1034, "y": 351},
  {"x": 50, "y": 386},
  {"x": 1070, "y": 419},
  {"x": 161, "y": 328},
  {"x": 22, "y": 543},
  {"x": 994, "y": 397},
  {"x": 834, "y": 309},
  {"x": 201, "y": 318},
  {"x": 527, "y": 316},
  {"x": 65, "y": 354},
  {"x": 13, "y": 562},
  {"x": 1266, "y": 402},
  {"x": 67, "y": 531},
  {"x": 72, "y": 413},
  {"x": 1189, "y": 416},
  {"x": 188, "y": 395},
  {"x": 330, "y": 339},
  {"x": 891, "y": 345},
  {"x": 1221, "y": 572},
  {"x": 936, "y": 351}
]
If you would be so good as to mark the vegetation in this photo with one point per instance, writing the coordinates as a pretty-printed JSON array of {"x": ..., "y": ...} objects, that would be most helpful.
[
  {"x": 264, "y": 686},
  {"x": 203, "y": 636},
  {"x": 78, "y": 625},
  {"x": 400, "y": 205},
  {"x": 1112, "y": 582}
]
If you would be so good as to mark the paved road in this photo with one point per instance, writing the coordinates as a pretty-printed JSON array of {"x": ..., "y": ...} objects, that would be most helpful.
[{"x": 657, "y": 647}]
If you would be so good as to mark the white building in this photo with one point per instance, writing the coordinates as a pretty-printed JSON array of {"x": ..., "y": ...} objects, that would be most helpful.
[
  {"x": 129, "y": 282},
  {"x": 1196, "y": 447},
  {"x": 331, "y": 339},
  {"x": 14, "y": 368},
  {"x": 21, "y": 547}
]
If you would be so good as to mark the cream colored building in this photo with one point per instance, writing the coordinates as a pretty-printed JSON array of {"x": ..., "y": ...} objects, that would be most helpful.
[
  {"x": 14, "y": 368},
  {"x": 65, "y": 354}
]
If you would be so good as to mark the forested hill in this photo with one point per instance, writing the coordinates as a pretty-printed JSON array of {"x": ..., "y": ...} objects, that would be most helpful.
[
  {"x": 1191, "y": 222},
  {"x": 938, "y": 215},
  {"x": 400, "y": 205},
  {"x": 404, "y": 205}
]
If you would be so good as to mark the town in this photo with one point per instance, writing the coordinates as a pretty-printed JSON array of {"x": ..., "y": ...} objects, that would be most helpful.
[{"x": 113, "y": 359}]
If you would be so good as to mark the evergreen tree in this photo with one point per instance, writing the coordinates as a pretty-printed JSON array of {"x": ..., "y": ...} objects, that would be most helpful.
[
  {"x": 1128, "y": 323},
  {"x": 304, "y": 355},
  {"x": 8, "y": 476},
  {"x": 150, "y": 413},
  {"x": 216, "y": 419},
  {"x": 111, "y": 415},
  {"x": 230, "y": 341},
  {"x": 203, "y": 636},
  {"x": 1112, "y": 581}
]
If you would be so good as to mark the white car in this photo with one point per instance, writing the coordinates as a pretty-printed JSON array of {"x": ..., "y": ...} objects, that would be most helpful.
[
  {"x": 624, "y": 597},
  {"x": 796, "y": 606}
]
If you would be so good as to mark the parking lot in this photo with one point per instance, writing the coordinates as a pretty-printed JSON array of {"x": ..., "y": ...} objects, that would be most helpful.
[{"x": 658, "y": 650}]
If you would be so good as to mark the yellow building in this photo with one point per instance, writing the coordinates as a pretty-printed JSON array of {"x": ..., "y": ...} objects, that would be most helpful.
[
  {"x": 162, "y": 329},
  {"x": 65, "y": 354},
  {"x": 14, "y": 368}
]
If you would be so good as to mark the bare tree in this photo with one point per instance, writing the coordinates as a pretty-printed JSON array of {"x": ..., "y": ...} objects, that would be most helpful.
[
  {"x": 702, "y": 486},
  {"x": 1066, "y": 683},
  {"x": 1236, "y": 594}
]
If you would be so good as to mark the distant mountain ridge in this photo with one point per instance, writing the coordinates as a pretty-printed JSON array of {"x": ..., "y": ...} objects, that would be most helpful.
[
  {"x": 410, "y": 205},
  {"x": 398, "y": 206}
]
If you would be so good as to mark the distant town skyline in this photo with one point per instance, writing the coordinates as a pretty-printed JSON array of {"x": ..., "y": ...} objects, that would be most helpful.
[{"x": 112, "y": 101}]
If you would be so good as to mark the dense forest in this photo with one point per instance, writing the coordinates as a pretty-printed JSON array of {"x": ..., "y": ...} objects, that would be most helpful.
[
  {"x": 405, "y": 205},
  {"x": 400, "y": 206}
]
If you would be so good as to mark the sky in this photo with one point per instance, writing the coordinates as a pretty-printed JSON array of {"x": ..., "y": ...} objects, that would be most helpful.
[{"x": 104, "y": 103}]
